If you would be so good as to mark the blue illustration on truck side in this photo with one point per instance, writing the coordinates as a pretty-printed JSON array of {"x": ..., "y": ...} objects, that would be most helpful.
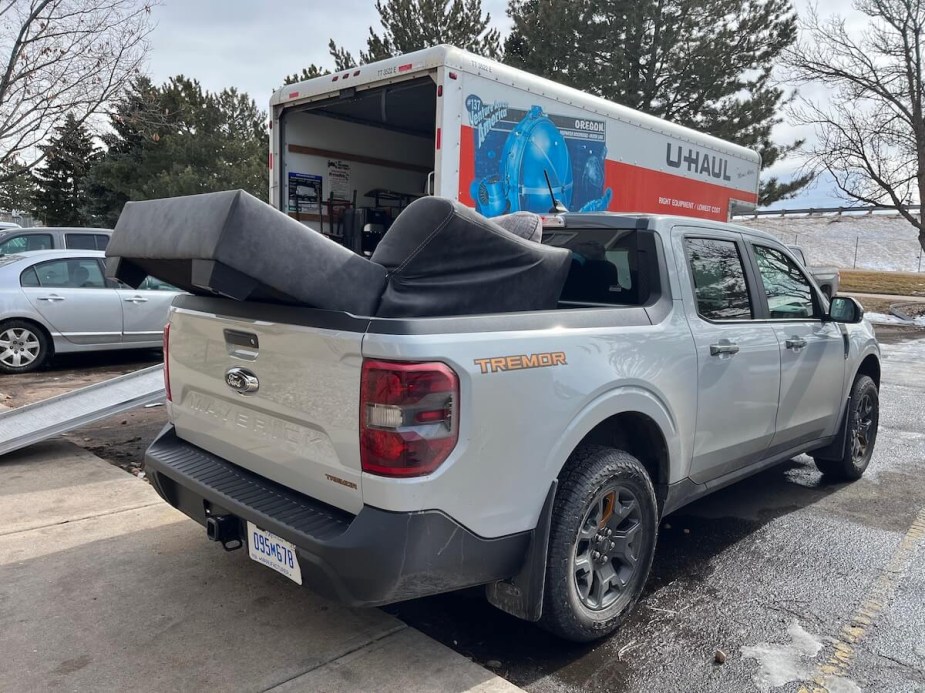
[{"x": 515, "y": 150}]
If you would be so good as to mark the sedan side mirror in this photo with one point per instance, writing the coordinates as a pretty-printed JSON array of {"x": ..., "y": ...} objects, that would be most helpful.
[{"x": 845, "y": 309}]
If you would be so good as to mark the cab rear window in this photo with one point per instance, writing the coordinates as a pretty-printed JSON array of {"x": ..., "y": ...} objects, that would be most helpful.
[{"x": 605, "y": 268}]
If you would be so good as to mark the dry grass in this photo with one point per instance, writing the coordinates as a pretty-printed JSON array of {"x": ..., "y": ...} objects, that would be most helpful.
[
  {"x": 876, "y": 305},
  {"x": 871, "y": 282}
]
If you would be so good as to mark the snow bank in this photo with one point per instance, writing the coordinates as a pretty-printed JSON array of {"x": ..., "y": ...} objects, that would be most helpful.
[{"x": 880, "y": 241}]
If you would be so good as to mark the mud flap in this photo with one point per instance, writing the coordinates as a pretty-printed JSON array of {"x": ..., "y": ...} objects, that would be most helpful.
[{"x": 522, "y": 595}]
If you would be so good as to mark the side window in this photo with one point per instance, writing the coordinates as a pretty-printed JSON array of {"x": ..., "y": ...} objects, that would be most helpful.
[
  {"x": 790, "y": 295},
  {"x": 29, "y": 278},
  {"x": 83, "y": 273},
  {"x": 80, "y": 241},
  {"x": 719, "y": 279},
  {"x": 29, "y": 241},
  {"x": 102, "y": 240}
]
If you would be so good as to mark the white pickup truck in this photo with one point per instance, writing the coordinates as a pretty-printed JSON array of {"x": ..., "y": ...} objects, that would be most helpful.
[{"x": 377, "y": 457}]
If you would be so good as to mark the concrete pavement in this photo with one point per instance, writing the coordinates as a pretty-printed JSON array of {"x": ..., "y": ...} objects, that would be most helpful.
[{"x": 105, "y": 587}]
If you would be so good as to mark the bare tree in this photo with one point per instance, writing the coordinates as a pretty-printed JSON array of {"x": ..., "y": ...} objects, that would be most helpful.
[
  {"x": 871, "y": 135},
  {"x": 65, "y": 57}
]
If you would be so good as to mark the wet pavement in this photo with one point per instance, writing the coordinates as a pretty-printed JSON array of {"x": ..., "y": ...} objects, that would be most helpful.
[{"x": 798, "y": 581}]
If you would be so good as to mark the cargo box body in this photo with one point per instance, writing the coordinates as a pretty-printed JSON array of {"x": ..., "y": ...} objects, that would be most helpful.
[{"x": 445, "y": 122}]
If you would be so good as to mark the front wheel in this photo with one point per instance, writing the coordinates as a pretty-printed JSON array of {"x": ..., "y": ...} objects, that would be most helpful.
[
  {"x": 601, "y": 543},
  {"x": 863, "y": 419},
  {"x": 23, "y": 347}
]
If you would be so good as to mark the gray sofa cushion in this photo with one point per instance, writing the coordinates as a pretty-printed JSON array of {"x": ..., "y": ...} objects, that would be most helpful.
[
  {"x": 445, "y": 259},
  {"x": 524, "y": 224},
  {"x": 231, "y": 243}
]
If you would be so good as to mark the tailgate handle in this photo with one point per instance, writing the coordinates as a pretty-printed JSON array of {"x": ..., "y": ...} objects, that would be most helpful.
[{"x": 243, "y": 345}]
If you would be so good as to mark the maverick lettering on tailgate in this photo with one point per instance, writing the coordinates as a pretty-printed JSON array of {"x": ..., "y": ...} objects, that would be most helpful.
[{"x": 517, "y": 362}]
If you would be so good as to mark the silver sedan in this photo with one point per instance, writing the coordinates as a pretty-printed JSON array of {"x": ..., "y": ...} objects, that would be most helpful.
[{"x": 59, "y": 301}]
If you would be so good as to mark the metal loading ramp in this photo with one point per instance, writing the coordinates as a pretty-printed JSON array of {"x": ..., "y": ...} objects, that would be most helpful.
[{"x": 32, "y": 423}]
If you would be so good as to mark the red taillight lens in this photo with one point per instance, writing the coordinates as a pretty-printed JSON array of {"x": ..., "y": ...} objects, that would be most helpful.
[
  {"x": 166, "y": 361},
  {"x": 408, "y": 417}
]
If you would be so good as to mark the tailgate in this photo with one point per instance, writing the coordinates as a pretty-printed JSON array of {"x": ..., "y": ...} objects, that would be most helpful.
[{"x": 300, "y": 426}]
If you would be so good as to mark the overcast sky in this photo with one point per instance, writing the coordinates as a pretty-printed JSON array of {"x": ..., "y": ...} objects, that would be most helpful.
[{"x": 252, "y": 45}]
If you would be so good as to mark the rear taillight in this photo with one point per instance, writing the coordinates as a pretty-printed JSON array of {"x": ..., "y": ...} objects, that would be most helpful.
[
  {"x": 167, "y": 361},
  {"x": 409, "y": 417}
]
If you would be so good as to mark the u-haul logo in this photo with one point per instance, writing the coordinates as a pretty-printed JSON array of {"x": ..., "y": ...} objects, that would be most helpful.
[
  {"x": 517, "y": 362},
  {"x": 697, "y": 161}
]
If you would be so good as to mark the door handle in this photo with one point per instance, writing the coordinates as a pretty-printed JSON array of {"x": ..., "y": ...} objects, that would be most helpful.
[
  {"x": 53, "y": 297},
  {"x": 795, "y": 343},
  {"x": 135, "y": 299},
  {"x": 724, "y": 347}
]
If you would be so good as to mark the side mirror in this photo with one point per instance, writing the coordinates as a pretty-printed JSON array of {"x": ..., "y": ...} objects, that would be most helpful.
[{"x": 845, "y": 309}]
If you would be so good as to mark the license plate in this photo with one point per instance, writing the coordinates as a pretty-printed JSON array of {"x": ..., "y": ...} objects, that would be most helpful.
[{"x": 273, "y": 552}]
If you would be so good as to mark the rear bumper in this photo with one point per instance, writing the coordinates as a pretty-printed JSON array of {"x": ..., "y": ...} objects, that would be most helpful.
[{"x": 373, "y": 558}]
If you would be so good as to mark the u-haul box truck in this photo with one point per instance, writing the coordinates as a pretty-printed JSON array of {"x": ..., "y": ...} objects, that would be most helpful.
[{"x": 446, "y": 122}]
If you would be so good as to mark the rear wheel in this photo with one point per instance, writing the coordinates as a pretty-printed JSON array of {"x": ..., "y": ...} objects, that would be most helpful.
[
  {"x": 23, "y": 346},
  {"x": 863, "y": 419},
  {"x": 601, "y": 543}
]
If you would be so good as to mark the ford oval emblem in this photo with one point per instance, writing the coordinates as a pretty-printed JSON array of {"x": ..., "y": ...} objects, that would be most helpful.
[{"x": 241, "y": 380}]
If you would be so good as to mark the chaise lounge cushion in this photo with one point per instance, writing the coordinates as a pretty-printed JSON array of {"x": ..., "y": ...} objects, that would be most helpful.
[{"x": 443, "y": 258}]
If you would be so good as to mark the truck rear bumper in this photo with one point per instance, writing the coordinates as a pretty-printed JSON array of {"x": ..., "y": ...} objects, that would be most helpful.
[{"x": 373, "y": 558}]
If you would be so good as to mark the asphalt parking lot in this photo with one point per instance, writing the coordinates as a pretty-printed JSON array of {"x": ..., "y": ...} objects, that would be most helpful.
[{"x": 802, "y": 584}]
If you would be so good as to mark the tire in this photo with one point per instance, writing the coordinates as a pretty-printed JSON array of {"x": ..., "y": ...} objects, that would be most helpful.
[
  {"x": 578, "y": 604},
  {"x": 861, "y": 436},
  {"x": 23, "y": 346}
]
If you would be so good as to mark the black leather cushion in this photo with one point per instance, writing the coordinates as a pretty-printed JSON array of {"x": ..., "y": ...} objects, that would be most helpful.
[
  {"x": 231, "y": 243},
  {"x": 445, "y": 259}
]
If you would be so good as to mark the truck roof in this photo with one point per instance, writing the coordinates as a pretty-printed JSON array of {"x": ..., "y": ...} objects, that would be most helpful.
[
  {"x": 641, "y": 221},
  {"x": 414, "y": 64}
]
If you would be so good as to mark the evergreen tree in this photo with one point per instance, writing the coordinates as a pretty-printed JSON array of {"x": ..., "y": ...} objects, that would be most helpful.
[
  {"x": 177, "y": 139},
  {"x": 410, "y": 25},
  {"x": 309, "y": 72},
  {"x": 705, "y": 64},
  {"x": 61, "y": 182},
  {"x": 17, "y": 186}
]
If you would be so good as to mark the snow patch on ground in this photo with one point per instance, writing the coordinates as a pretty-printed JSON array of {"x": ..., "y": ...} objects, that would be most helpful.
[
  {"x": 779, "y": 664},
  {"x": 884, "y": 319},
  {"x": 877, "y": 242},
  {"x": 782, "y": 664}
]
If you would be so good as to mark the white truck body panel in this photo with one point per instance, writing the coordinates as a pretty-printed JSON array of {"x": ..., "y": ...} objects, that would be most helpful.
[{"x": 494, "y": 130}]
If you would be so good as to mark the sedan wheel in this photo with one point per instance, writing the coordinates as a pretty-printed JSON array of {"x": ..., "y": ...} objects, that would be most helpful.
[{"x": 22, "y": 347}]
